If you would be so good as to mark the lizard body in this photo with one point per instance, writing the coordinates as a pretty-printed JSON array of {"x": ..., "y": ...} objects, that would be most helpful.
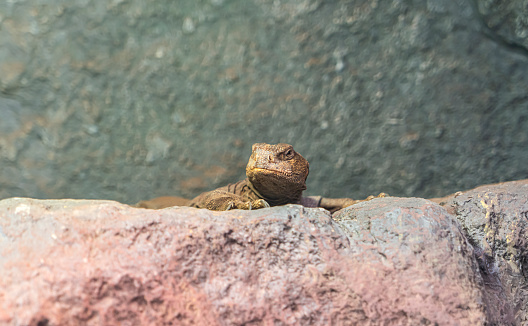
[{"x": 275, "y": 175}]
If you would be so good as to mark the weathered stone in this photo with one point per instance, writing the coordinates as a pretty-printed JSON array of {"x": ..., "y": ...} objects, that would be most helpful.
[
  {"x": 388, "y": 261},
  {"x": 102, "y": 263},
  {"x": 68, "y": 262},
  {"x": 508, "y": 20},
  {"x": 495, "y": 218},
  {"x": 413, "y": 263}
]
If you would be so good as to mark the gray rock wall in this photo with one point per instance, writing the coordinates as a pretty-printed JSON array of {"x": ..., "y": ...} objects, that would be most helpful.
[{"x": 128, "y": 100}]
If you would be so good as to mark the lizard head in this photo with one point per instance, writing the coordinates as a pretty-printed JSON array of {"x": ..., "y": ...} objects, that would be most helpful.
[{"x": 277, "y": 171}]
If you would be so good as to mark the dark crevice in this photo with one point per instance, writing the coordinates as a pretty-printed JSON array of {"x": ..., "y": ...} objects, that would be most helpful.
[
  {"x": 43, "y": 322},
  {"x": 493, "y": 35}
]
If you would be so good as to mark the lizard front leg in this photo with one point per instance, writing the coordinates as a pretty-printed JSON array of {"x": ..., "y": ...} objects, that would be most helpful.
[{"x": 218, "y": 200}]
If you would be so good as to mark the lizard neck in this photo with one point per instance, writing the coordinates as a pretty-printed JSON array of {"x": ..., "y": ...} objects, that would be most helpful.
[{"x": 291, "y": 197}]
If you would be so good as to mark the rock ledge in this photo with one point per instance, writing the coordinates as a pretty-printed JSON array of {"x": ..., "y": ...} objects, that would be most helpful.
[{"x": 389, "y": 261}]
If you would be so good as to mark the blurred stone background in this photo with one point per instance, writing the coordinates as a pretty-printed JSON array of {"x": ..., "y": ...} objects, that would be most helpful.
[{"x": 132, "y": 99}]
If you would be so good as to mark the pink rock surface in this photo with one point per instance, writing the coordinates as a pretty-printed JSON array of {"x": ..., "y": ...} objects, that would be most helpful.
[
  {"x": 102, "y": 263},
  {"x": 389, "y": 261},
  {"x": 495, "y": 219},
  {"x": 411, "y": 264}
]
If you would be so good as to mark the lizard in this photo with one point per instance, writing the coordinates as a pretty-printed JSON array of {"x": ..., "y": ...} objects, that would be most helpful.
[{"x": 275, "y": 175}]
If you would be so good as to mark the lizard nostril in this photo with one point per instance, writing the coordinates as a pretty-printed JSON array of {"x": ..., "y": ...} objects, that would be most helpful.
[{"x": 270, "y": 158}]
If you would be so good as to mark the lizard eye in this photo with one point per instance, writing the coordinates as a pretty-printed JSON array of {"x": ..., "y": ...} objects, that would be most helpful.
[{"x": 289, "y": 154}]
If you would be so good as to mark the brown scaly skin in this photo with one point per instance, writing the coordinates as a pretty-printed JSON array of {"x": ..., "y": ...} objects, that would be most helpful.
[{"x": 276, "y": 175}]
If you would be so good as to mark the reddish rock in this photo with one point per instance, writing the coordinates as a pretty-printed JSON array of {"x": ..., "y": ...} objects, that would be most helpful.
[
  {"x": 411, "y": 264},
  {"x": 71, "y": 262},
  {"x": 389, "y": 261},
  {"x": 495, "y": 218}
]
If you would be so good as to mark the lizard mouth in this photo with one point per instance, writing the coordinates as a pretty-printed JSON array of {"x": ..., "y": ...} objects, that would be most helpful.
[{"x": 262, "y": 170}]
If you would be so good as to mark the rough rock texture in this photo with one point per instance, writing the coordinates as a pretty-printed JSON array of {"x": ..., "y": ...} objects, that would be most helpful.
[
  {"x": 495, "y": 218},
  {"x": 388, "y": 261},
  {"x": 129, "y": 100},
  {"x": 507, "y": 21},
  {"x": 412, "y": 263},
  {"x": 102, "y": 263}
]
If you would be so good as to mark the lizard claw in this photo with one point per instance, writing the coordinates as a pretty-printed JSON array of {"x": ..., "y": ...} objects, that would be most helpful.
[
  {"x": 231, "y": 205},
  {"x": 264, "y": 203},
  {"x": 247, "y": 205},
  {"x": 381, "y": 195},
  {"x": 260, "y": 203}
]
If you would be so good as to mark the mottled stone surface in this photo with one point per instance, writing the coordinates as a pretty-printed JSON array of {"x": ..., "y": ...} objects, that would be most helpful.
[
  {"x": 413, "y": 262},
  {"x": 507, "y": 20},
  {"x": 495, "y": 218},
  {"x": 103, "y": 263},
  {"x": 388, "y": 261},
  {"x": 385, "y": 262},
  {"x": 129, "y": 100}
]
